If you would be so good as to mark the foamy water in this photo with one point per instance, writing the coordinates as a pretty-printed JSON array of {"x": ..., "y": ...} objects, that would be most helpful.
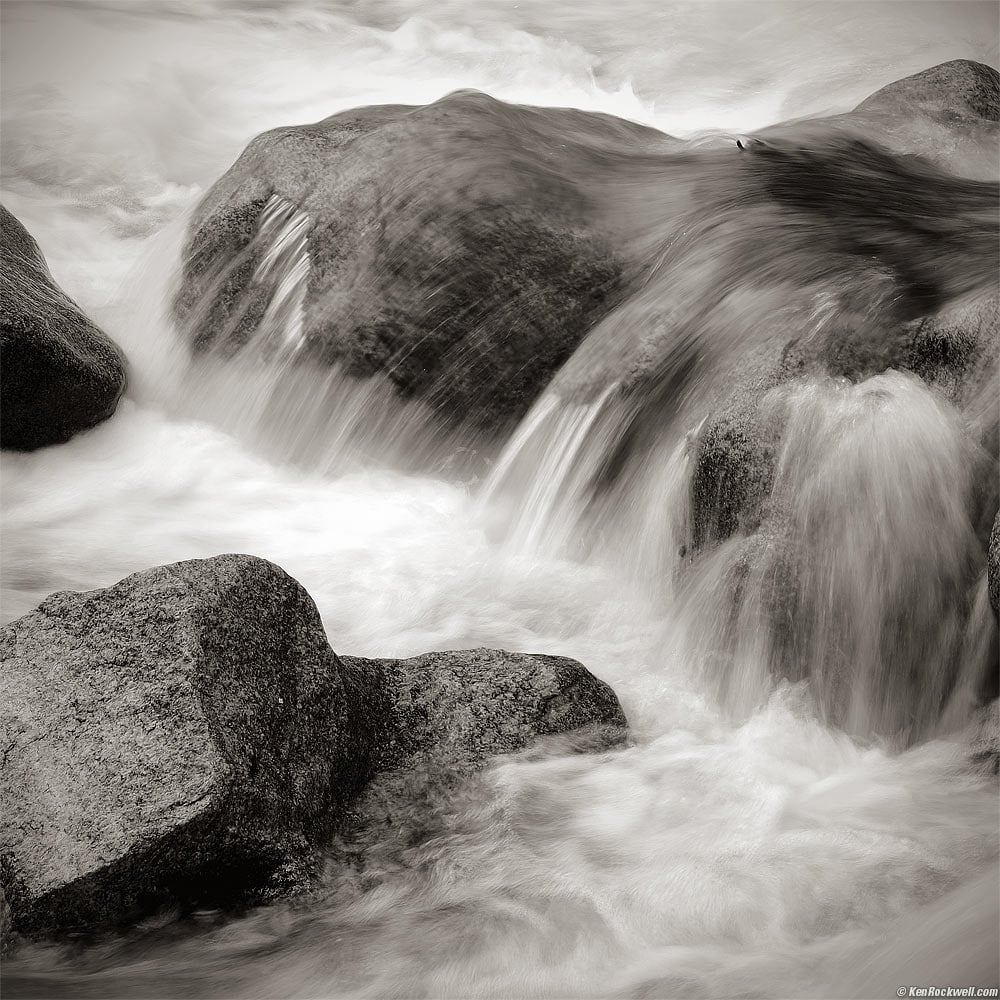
[{"x": 746, "y": 845}]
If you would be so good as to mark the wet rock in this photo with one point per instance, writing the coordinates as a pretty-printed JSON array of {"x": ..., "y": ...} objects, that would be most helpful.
[
  {"x": 946, "y": 114},
  {"x": 732, "y": 472},
  {"x": 956, "y": 351},
  {"x": 462, "y": 249},
  {"x": 984, "y": 734},
  {"x": 188, "y": 738},
  {"x": 186, "y": 735},
  {"x": 960, "y": 88},
  {"x": 465, "y": 706},
  {"x": 59, "y": 373},
  {"x": 452, "y": 712}
]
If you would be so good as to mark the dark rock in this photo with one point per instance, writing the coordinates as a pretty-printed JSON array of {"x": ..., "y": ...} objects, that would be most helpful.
[
  {"x": 946, "y": 115},
  {"x": 956, "y": 351},
  {"x": 957, "y": 89},
  {"x": 5, "y": 928},
  {"x": 733, "y": 456},
  {"x": 59, "y": 374},
  {"x": 187, "y": 737},
  {"x": 463, "y": 248},
  {"x": 186, "y": 734},
  {"x": 451, "y": 713},
  {"x": 984, "y": 738}
]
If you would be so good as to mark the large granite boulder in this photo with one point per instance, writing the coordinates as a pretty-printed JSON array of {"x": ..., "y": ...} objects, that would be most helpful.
[
  {"x": 185, "y": 731},
  {"x": 462, "y": 249},
  {"x": 59, "y": 374},
  {"x": 949, "y": 114},
  {"x": 187, "y": 736},
  {"x": 953, "y": 90}
]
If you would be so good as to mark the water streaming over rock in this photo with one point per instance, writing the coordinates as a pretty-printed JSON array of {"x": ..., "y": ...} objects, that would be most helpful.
[{"x": 800, "y": 649}]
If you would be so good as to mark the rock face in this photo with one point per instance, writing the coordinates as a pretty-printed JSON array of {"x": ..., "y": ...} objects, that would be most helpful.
[
  {"x": 947, "y": 114},
  {"x": 59, "y": 374},
  {"x": 187, "y": 736},
  {"x": 462, "y": 249}
]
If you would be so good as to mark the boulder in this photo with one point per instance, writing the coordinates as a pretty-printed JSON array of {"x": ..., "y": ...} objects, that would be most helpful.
[
  {"x": 462, "y": 707},
  {"x": 952, "y": 344},
  {"x": 451, "y": 712},
  {"x": 186, "y": 732},
  {"x": 984, "y": 737},
  {"x": 187, "y": 737},
  {"x": 462, "y": 249},
  {"x": 59, "y": 373},
  {"x": 946, "y": 114},
  {"x": 956, "y": 351},
  {"x": 952, "y": 90}
]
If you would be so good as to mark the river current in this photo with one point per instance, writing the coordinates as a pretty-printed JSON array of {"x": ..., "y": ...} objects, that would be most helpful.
[{"x": 745, "y": 843}]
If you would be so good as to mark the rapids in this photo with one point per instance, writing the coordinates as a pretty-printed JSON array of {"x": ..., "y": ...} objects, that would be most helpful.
[{"x": 756, "y": 838}]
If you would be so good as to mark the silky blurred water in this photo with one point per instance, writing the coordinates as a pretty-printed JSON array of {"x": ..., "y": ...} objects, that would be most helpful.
[{"x": 758, "y": 839}]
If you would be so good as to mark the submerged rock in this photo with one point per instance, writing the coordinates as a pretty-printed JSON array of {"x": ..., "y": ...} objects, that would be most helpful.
[
  {"x": 819, "y": 522},
  {"x": 453, "y": 711},
  {"x": 462, "y": 249},
  {"x": 187, "y": 737},
  {"x": 59, "y": 373}
]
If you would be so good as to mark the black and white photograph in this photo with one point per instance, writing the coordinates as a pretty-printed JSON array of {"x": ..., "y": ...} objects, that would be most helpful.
[{"x": 499, "y": 499}]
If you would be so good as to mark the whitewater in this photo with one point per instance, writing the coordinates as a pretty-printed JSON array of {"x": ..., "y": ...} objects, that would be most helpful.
[{"x": 746, "y": 842}]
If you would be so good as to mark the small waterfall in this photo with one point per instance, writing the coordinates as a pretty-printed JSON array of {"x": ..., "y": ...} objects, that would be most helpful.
[
  {"x": 860, "y": 580},
  {"x": 252, "y": 372},
  {"x": 556, "y": 436},
  {"x": 284, "y": 267}
]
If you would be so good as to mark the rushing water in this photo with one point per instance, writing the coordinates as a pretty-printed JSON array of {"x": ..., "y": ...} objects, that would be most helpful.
[{"x": 823, "y": 836}]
